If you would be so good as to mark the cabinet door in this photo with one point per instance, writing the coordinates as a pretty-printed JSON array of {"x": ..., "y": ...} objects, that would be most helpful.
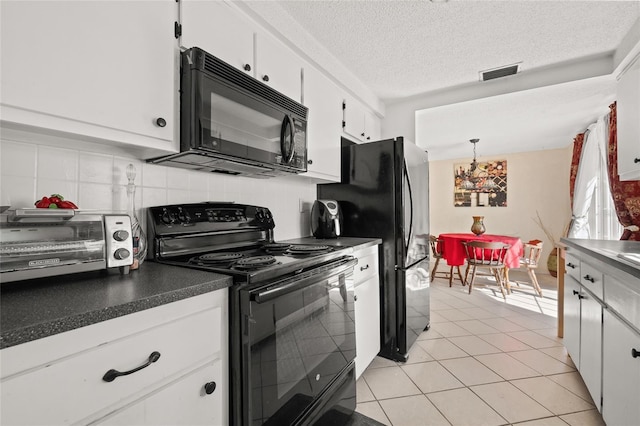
[
  {"x": 184, "y": 402},
  {"x": 371, "y": 127},
  {"x": 354, "y": 119},
  {"x": 591, "y": 346},
  {"x": 621, "y": 373},
  {"x": 220, "y": 30},
  {"x": 572, "y": 319},
  {"x": 324, "y": 101},
  {"x": 94, "y": 68},
  {"x": 278, "y": 67},
  {"x": 628, "y": 115},
  {"x": 367, "y": 312}
]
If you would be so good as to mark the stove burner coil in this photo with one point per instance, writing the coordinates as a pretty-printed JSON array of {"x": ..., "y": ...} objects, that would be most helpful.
[
  {"x": 307, "y": 249},
  {"x": 216, "y": 258},
  {"x": 254, "y": 262},
  {"x": 275, "y": 247}
]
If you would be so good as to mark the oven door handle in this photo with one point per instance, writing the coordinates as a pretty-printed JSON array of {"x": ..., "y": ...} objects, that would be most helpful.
[{"x": 292, "y": 284}]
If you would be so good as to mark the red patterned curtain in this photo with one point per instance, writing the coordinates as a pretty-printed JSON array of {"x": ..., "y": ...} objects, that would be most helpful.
[
  {"x": 578, "y": 141},
  {"x": 626, "y": 194}
]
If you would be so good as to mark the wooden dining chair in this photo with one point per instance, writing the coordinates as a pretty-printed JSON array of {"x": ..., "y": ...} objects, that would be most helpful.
[
  {"x": 436, "y": 250},
  {"x": 530, "y": 261},
  {"x": 490, "y": 255}
]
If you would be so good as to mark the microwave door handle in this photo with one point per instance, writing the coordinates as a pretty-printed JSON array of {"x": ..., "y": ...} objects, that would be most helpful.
[{"x": 287, "y": 130}]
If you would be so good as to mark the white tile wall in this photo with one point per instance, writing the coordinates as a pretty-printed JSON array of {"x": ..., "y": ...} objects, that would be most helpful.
[{"x": 98, "y": 181}]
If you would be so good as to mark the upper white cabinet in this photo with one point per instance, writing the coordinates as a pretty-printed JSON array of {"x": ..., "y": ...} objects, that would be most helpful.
[
  {"x": 628, "y": 114},
  {"x": 218, "y": 29},
  {"x": 278, "y": 66},
  {"x": 360, "y": 123},
  {"x": 99, "y": 69},
  {"x": 223, "y": 31},
  {"x": 324, "y": 128}
]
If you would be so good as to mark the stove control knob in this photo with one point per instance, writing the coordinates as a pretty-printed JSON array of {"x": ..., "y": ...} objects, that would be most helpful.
[
  {"x": 268, "y": 215},
  {"x": 259, "y": 215},
  {"x": 120, "y": 235},
  {"x": 183, "y": 216},
  {"x": 121, "y": 253}
]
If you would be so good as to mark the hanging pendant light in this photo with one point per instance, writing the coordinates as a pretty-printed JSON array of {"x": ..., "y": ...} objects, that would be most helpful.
[{"x": 474, "y": 163}]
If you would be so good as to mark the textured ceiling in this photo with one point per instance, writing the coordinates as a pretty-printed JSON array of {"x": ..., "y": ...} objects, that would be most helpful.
[
  {"x": 433, "y": 49},
  {"x": 404, "y": 48}
]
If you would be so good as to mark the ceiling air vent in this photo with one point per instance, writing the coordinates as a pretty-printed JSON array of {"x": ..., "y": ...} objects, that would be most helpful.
[{"x": 499, "y": 72}]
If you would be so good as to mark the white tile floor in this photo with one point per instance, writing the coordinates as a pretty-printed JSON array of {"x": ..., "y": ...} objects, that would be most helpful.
[{"x": 483, "y": 362}]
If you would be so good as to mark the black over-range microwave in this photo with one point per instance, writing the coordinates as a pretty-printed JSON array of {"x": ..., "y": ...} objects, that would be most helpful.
[{"x": 232, "y": 123}]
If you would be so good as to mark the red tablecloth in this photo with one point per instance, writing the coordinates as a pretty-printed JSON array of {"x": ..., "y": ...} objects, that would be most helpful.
[{"x": 453, "y": 251}]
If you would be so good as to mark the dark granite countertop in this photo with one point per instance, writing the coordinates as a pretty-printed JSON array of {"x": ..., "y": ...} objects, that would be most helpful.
[
  {"x": 34, "y": 309},
  {"x": 607, "y": 251}
]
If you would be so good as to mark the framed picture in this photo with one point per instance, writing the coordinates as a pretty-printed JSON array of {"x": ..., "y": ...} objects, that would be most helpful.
[{"x": 482, "y": 186}]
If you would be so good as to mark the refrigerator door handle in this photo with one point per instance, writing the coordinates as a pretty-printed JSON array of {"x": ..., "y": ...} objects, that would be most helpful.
[
  {"x": 406, "y": 174},
  {"x": 406, "y": 268}
]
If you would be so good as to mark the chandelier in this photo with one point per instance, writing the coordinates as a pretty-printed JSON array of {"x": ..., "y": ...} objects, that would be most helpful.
[{"x": 477, "y": 178}]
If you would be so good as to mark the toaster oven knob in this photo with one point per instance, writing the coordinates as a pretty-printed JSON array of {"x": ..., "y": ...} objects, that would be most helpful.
[
  {"x": 121, "y": 253},
  {"x": 120, "y": 235}
]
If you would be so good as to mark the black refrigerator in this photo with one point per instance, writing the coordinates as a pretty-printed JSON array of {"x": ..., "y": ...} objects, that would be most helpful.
[{"x": 384, "y": 193}]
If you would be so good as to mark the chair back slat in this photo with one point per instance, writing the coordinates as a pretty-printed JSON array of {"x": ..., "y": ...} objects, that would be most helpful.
[
  {"x": 486, "y": 253},
  {"x": 532, "y": 253},
  {"x": 436, "y": 246}
]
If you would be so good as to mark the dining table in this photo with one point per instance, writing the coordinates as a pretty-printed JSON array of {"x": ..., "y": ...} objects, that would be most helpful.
[{"x": 453, "y": 250}]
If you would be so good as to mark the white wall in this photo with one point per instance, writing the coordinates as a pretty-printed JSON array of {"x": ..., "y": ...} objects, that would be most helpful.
[
  {"x": 537, "y": 181},
  {"x": 30, "y": 171}
]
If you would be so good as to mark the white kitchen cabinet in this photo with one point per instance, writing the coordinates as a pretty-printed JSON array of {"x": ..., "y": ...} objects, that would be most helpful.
[
  {"x": 60, "y": 379},
  {"x": 360, "y": 124},
  {"x": 571, "y": 340},
  {"x": 324, "y": 101},
  {"x": 220, "y": 30},
  {"x": 97, "y": 71},
  {"x": 188, "y": 398},
  {"x": 591, "y": 346},
  {"x": 628, "y": 122},
  {"x": 621, "y": 373},
  {"x": 367, "y": 307},
  {"x": 278, "y": 66},
  {"x": 225, "y": 32}
]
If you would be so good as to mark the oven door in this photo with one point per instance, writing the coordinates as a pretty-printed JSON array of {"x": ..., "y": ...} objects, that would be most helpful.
[{"x": 301, "y": 342}]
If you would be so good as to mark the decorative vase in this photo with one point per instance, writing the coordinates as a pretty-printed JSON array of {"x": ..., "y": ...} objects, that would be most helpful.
[
  {"x": 552, "y": 262},
  {"x": 137, "y": 234},
  {"x": 478, "y": 225}
]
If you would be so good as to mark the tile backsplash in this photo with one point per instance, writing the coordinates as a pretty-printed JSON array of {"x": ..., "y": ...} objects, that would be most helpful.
[{"x": 98, "y": 181}]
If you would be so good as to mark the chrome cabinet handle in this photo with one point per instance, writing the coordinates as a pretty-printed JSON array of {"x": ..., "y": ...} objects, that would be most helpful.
[{"x": 112, "y": 374}]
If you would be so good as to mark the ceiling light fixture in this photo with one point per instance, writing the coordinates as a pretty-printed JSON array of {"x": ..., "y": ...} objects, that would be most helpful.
[{"x": 477, "y": 178}]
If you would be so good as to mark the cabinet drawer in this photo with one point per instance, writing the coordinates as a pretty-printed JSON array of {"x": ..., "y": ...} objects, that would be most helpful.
[
  {"x": 367, "y": 265},
  {"x": 70, "y": 389},
  {"x": 592, "y": 279},
  {"x": 183, "y": 402},
  {"x": 624, "y": 298},
  {"x": 572, "y": 266}
]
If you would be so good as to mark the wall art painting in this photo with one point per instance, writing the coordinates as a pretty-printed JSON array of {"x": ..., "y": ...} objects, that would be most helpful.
[{"x": 484, "y": 185}]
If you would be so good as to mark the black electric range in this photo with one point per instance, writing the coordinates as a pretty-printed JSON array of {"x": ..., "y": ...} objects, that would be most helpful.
[{"x": 292, "y": 329}]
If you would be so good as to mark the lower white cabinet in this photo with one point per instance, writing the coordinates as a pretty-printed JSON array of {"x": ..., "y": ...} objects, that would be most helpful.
[
  {"x": 620, "y": 373},
  {"x": 572, "y": 319},
  {"x": 367, "y": 307},
  {"x": 181, "y": 346},
  {"x": 591, "y": 346},
  {"x": 184, "y": 402}
]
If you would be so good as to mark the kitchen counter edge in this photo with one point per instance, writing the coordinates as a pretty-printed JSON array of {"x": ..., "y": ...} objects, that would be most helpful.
[
  {"x": 353, "y": 243},
  {"x": 41, "y": 308},
  {"x": 607, "y": 251}
]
